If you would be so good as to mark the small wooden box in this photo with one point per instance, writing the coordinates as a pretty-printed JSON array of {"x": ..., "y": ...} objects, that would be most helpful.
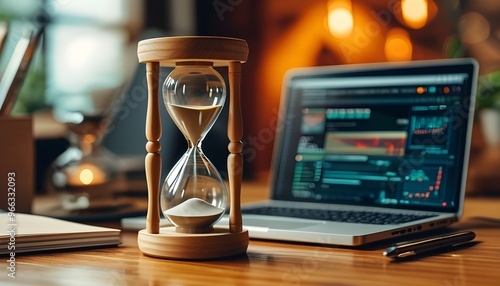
[{"x": 17, "y": 164}]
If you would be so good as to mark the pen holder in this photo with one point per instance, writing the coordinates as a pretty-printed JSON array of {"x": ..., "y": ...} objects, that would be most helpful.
[{"x": 17, "y": 166}]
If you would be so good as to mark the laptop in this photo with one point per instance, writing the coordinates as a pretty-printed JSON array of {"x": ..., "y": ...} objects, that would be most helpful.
[{"x": 368, "y": 152}]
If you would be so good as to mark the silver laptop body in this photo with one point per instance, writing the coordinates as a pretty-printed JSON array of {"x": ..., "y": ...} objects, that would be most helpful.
[{"x": 385, "y": 137}]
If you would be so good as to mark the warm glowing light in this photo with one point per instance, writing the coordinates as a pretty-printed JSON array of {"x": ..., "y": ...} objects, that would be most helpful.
[
  {"x": 398, "y": 46},
  {"x": 340, "y": 19},
  {"x": 415, "y": 13},
  {"x": 89, "y": 138},
  {"x": 86, "y": 176}
]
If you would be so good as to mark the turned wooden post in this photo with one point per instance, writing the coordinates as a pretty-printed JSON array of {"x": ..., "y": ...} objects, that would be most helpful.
[
  {"x": 235, "y": 158},
  {"x": 153, "y": 158}
]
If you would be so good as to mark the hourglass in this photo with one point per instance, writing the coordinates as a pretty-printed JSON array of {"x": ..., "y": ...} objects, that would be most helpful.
[{"x": 194, "y": 195}]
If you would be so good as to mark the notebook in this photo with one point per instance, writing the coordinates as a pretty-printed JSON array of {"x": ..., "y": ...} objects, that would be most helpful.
[{"x": 368, "y": 152}]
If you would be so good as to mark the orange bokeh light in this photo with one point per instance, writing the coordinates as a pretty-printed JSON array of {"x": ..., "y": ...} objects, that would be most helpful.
[
  {"x": 398, "y": 46},
  {"x": 415, "y": 13},
  {"x": 340, "y": 18}
]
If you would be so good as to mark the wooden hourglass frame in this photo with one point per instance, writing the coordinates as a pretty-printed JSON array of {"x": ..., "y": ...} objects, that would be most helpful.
[{"x": 166, "y": 242}]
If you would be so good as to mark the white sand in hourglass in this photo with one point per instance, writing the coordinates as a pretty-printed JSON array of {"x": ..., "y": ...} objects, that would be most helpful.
[{"x": 194, "y": 214}]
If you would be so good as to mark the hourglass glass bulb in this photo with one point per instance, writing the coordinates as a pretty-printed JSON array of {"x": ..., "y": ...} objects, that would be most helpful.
[
  {"x": 194, "y": 95},
  {"x": 194, "y": 195}
]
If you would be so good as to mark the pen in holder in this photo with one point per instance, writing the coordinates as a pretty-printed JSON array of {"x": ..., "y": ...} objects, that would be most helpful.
[{"x": 17, "y": 164}]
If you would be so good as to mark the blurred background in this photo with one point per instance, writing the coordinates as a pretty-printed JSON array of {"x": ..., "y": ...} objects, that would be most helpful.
[{"x": 87, "y": 61}]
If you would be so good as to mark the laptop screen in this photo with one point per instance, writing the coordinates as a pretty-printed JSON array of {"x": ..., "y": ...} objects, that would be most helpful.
[{"x": 377, "y": 135}]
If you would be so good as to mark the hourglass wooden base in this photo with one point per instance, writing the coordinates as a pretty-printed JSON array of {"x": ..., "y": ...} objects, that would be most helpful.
[
  {"x": 174, "y": 245},
  {"x": 166, "y": 242}
]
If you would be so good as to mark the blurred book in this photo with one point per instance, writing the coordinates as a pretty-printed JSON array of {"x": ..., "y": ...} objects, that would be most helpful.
[{"x": 31, "y": 233}]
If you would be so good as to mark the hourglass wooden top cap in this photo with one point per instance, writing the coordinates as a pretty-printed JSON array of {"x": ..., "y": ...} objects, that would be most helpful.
[{"x": 169, "y": 50}]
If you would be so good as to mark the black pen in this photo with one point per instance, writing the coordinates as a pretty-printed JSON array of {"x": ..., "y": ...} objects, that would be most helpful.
[{"x": 414, "y": 247}]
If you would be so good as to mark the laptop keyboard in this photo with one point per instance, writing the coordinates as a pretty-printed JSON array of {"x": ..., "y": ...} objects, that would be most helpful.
[{"x": 368, "y": 217}]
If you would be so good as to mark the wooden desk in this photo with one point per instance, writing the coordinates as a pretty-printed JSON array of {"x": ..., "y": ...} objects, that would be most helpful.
[{"x": 275, "y": 263}]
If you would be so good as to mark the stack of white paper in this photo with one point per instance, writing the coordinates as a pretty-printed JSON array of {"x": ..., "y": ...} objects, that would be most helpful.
[{"x": 28, "y": 233}]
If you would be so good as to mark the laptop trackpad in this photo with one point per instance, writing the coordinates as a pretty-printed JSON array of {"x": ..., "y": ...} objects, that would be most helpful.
[{"x": 277, "y": 223}]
